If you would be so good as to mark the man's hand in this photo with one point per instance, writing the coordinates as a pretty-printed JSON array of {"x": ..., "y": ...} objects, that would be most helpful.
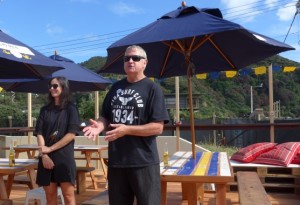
[
  {"x": 92, "y": 130},
  {"x": 118, "y": 130}
]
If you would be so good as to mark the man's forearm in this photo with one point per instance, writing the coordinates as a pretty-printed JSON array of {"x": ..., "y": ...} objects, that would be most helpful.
[{"x": 153, "y": 128}]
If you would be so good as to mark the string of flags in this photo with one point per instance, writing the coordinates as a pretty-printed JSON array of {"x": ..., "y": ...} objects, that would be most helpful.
[
  {"x": 244, "y": 72},
  {"x": 260, "y": 70}
]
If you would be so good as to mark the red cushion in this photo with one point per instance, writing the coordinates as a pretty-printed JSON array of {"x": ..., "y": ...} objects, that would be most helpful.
[
  {"x": 249, "y": 153},
  {"x": 282, "y": 154},
  {"x": 296, "y": 159}
]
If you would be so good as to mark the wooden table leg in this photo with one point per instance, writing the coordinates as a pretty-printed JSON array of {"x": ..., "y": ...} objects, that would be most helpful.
[
  {"x": 220, "y": 194},
  {"x": 88, "y": 156},
  {"x": 3, "y": 193},
  {"x": 163, "y": 187},
  {"x": 191, "y": 192},
  {"x": 103, "y": 165},
  {"x": 184, "y": 189},
  {"x": 32, "y": 178},
  {"x": 9, "y": 183}
]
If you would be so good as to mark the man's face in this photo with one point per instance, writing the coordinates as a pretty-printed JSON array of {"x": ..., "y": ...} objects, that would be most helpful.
[{"x": 134, "y": 63}]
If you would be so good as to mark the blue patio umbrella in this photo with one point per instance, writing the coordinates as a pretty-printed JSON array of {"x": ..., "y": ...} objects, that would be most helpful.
[
  {"x": 190, "y": 41},
  {"x": 18, "y": 60},
  {"x": 80, "y": 79}
]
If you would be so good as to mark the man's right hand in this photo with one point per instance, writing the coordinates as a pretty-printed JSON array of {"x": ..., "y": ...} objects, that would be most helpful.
[{"x": 93, "y": 130}]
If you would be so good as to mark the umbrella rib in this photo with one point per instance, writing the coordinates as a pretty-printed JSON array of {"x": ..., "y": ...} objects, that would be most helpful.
[
  {"x": 167, "y": 57},
  {"x": 191, "y": 45},
  {"x": 222, "y": 54},
  {"x": 203, "y": 40},
  {"x": 33, "y": 70},
  {"x": 107, "y": 65},
  {"x": 173, "y": 47},
  {"x": 13, "y": 86}
]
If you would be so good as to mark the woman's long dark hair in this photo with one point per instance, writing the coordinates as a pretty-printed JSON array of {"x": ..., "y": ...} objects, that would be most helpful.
[{"x": 65, "y": 93}]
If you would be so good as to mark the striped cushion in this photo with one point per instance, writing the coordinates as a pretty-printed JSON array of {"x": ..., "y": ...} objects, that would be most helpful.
[
  {"x": 296, "y": 159},
  {"x": 249, "y": 153},
  {"x": 282, "y": 154}
]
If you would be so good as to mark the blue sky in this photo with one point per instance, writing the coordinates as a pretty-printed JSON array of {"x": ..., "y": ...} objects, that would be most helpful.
[{"x": 81, "y": 29}]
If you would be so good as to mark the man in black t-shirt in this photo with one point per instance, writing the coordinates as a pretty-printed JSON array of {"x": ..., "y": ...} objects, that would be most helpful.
[{"x": 133, "y": 114}]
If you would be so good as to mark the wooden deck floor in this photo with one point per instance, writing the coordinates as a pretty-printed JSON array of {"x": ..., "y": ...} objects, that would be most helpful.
[{"x": 174, "y": 195}]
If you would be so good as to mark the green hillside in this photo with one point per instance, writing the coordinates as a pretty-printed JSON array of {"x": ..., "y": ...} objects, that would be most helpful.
[
  {"x": 226, "y": 97},
  {"x": 230, "y": 97}
]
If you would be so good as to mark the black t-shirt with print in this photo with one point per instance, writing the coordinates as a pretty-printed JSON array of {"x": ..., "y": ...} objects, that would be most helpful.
[{"x": 136, "y": 103}]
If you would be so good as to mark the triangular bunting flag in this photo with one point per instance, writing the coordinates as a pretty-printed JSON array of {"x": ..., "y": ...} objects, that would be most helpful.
[
  {"x": 289, "y": 69},
  {"x": 245, "y": 71},
  {"x": 214, "y": 75},
  {"x": 260, "y": 70},
  {"x": 230, "y": 73},
  {"x": 276, "y": 68},
  {"x": 201, "y": 76},
  {"x": 161, "y": 80}
]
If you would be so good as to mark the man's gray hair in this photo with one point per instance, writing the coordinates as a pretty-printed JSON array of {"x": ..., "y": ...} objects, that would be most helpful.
[{"x": 139, "y": 48}]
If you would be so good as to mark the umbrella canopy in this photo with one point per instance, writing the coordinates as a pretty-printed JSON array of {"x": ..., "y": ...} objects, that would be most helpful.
[
  {"x": 80, "y": 79},
  {"x": 199, "y": 37},
  {"x": 18, "y": 60},
  {"x": 189, "y": 41}
]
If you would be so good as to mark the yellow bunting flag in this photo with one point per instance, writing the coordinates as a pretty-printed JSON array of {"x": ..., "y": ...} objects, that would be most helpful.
[
  {"x": 260, "y": 70},
  {"x": 230, "y": 73},
  {"x": 289, "y": 69},
  {"x": 201, "y": 76},
  {"x": 151, "y": 78},
  {"x": 1, "y": 89}
]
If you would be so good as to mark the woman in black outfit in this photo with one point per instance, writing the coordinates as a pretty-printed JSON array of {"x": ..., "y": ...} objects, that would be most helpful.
[{"x": 57, "y": 126}]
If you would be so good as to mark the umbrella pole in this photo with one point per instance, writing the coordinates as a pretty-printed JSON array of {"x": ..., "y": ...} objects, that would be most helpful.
[
  {"x": 96, "y": 117},
  {"x": 192, "y": 123},
  {"x": 177, "y": 113},
  {"x": 97, "y": 111},
  {"x": 29, "y": 115},
  {"x": 271, "y": 103}
]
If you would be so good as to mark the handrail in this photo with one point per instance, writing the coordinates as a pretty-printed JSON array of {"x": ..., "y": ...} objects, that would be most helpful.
[
  {"x": 187, "y": 127},
  {"x": 237, "y": 126}
]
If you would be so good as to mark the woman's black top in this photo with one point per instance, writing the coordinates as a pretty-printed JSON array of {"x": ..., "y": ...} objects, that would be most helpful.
[{"x": 53, "y": 123}]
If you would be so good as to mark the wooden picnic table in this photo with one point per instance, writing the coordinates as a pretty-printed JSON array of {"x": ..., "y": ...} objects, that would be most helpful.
[
  {"x": 86, "y": 150},
  {"x": 207, "y": 167},
  {"x": 21, "y": 165}
]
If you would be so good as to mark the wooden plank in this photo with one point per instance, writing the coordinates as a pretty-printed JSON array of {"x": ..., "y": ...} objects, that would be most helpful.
[{"x": 251, "y": 190}]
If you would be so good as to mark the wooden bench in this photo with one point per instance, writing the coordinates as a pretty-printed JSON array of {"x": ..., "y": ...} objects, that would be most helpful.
[
  {"x": 251, "y": 190},
  {"x": 81, "y": 178},
  {"x": 274, "y": 178}
]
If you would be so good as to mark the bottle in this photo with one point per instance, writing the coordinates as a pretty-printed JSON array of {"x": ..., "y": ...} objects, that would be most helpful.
[
  {"x": 11, "y": 156},
  {"x": 166, "y": 155}
]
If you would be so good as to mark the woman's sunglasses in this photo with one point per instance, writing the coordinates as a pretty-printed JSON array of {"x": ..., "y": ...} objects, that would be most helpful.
[
  {"x": 54, "y": 86},
  {"x": 135, "y": 58}
]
